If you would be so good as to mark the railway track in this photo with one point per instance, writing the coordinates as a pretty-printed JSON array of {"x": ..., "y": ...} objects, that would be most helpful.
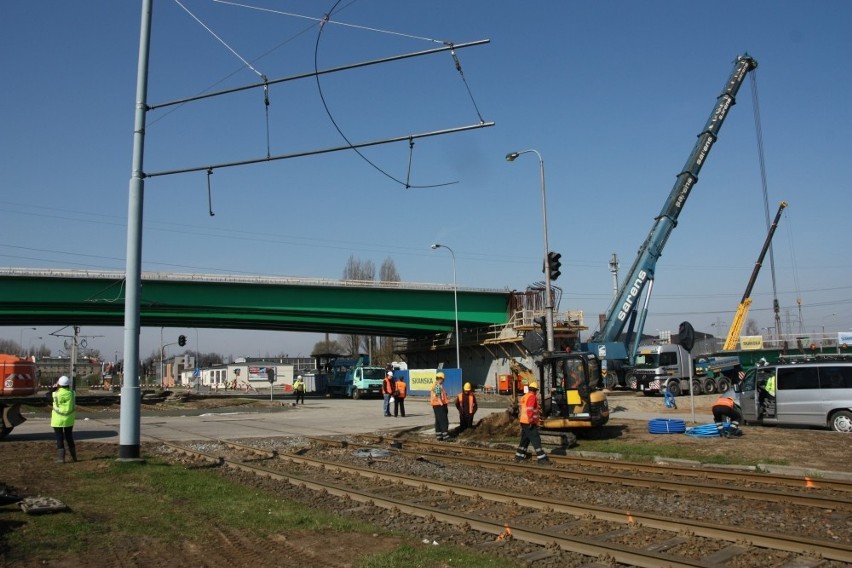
[{"x": 537, "y": 510}]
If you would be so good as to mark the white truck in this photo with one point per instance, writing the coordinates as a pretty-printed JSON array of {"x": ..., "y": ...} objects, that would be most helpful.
[{"x": 658, "y": 366}]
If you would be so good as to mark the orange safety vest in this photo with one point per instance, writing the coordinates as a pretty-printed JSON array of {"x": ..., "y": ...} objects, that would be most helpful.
[
  {"x": 400, "y": 389},
  {"x": 387, "y": 386},
  {"x": 471, "y": 404},
  {"x": 529, "y": 409},
  {"x": 438, "y": 395},
  {"x": 725, "y": 401}
]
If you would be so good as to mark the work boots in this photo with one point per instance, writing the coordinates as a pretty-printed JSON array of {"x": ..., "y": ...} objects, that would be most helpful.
[{"x": 60, "y": 455}]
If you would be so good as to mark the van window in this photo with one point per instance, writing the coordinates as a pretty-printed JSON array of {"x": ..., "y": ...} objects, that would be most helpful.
[
  {"x": 839, "y": 377},
  {"x": 797, "y": 378}
]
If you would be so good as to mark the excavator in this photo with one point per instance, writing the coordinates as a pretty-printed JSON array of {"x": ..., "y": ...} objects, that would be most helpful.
[
  {"x": 569, "y": 389},
  {"x": 742, "y": 311}
]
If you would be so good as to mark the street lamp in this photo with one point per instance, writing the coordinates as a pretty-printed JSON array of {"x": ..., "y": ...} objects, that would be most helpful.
[
  {"x": 455, "y": 299},
  {"x": 548, "y": 302},
  {"x": 21, "y": 339}
]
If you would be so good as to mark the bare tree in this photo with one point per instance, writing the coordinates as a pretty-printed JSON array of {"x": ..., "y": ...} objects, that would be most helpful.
[
  {"x": 364, "y": 271},
  {"x": 388, "y": 272},
  {"x": 327, "y": 347},
  {"x": 752, "y": 328}
]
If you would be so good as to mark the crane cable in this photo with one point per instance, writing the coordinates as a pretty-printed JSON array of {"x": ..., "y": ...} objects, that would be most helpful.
[{"x": 764, "y": 186}]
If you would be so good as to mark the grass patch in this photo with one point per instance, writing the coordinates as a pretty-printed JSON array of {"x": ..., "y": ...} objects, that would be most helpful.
[
  {"x": 639, "y": 452},
  {"x": 156, "y": 503}
]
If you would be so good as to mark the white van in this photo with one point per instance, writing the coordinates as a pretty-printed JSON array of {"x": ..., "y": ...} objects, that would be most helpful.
[{"x": 810, "y": 392}]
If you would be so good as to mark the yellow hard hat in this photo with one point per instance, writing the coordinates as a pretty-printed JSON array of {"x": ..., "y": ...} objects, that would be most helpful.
[
  {"x": 467, "y": 387},
  {"x": 533, "y": 385},
  {"x": 439, "y": 376}
]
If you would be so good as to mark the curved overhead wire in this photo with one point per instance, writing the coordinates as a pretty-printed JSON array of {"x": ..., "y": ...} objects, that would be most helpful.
[{"x": 406, "y": 183}]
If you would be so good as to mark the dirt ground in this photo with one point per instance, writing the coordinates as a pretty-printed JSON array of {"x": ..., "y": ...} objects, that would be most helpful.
[{"x": 25, "y": 475}]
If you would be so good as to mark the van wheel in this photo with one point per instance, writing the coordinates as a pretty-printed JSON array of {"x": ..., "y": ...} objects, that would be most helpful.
[
  {"x": 709, "y": 386},
  {"x": 841, "y": 421}
]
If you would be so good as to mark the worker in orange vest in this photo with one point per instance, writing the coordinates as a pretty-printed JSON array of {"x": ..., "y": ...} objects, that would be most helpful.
[
  {"x": 466, "y": 405},
  {"x": 724, "y": 409},
  {"x": 387, "y": 391},
  {"x": 399, "y": 397},
  {"x": 530, "y": 419},
  {"x": 438, "y": 399}
]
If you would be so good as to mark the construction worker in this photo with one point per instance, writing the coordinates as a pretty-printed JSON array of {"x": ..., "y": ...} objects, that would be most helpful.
[
  {"x": 62, "y": 418},
  {"x": 726, "y": 408},
  {"x": 466, "y": 405},
  {"x": 439, "y": 401},
  {"x": 530, "y": 420},
  {"x": 299, "y": 390},
  {"x": 399, "y": 397},
  {"x": 387, "y": 391}
]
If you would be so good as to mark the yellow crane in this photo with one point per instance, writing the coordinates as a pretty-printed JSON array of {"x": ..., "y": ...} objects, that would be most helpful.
[{"x": 745, "y": 303}]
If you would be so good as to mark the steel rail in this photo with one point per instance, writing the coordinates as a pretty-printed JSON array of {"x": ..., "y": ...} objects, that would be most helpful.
[
  {"x": 699, "y": 486},
  {"x": 787, "y": 543},
  {"x": 706, "y": 472},
  {"x": 545, "y": 538}
]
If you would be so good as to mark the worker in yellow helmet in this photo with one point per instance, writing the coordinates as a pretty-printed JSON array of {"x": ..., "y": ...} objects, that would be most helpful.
[
  {"x": 530, "y": 419},
  {"x": 466, "y": 405}
]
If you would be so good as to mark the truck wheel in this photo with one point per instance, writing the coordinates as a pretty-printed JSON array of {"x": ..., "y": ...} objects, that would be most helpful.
[
  {"x": 674, "y": 388},
  {"x": 356, "y": 394},
  {"x": 696, "y": 387},
  {"x": 841, "y": 421},
  {"x": 709, "y": 386},
  {"x": 610, "y": 381},
  {"x": 724, "y": 384}
]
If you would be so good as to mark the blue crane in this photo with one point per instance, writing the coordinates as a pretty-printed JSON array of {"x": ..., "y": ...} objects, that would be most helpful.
[{"x": 617, "y": 352}]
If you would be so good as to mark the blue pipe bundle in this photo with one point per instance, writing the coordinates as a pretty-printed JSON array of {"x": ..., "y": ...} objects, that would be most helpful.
[
  {"x": 705, "y": 431},
  {"x": 666, "y": 426}
]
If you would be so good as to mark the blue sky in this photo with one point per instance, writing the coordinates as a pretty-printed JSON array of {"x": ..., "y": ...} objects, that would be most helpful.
[{"x": 611, "y": 93}]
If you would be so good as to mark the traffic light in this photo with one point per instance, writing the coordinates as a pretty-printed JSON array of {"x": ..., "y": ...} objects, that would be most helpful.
[
  {"x": 182, "y": 340},
  {"x": 553, "y": 264},
  {"x": 270, "y": 374}
]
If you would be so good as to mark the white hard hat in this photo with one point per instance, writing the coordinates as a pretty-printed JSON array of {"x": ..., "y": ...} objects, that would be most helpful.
[
  {"x": 63, "y": 381},
  {"x": 299, "y": 377},
  {"x": 390, "y": 373}
]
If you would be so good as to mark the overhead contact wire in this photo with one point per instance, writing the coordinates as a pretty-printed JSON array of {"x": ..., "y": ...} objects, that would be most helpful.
[{"x": 326, "y": 19}]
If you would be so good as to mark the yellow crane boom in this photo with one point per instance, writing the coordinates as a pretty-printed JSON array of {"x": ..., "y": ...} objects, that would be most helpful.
[{"x": 745, "y": 303}]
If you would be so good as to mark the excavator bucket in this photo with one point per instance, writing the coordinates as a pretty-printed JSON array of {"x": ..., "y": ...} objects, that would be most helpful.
[{"x": 11, "y": 418}]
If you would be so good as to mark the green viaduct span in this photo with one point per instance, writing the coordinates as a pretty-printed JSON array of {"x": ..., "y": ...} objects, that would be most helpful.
[{"x": 396, "y": 309}]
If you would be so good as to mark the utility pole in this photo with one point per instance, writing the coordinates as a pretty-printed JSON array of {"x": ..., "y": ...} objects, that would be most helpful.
[{"x": 613, "y": 267}]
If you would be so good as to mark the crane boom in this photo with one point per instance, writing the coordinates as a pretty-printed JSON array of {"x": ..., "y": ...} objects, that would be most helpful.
[
  {"x": 623, "y": 308},
  {"x": 745, "y": 303}
]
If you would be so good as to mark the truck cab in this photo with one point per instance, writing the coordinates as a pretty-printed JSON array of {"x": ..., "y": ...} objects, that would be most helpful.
[
  {"x": 365, "y": 381},
  {"x": 660, "y": 366}
]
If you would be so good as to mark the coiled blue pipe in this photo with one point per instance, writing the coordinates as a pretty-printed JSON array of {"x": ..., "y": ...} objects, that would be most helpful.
[
  {"x": 666, "y": 426},
  {"x": 704, "y": 431}
]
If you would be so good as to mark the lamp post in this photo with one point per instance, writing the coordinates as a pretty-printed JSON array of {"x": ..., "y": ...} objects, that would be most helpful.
[
  {"x": 21, "y": 338},
  {"x": 455, "y": 300},
  {"x": 548, "y": 302}
]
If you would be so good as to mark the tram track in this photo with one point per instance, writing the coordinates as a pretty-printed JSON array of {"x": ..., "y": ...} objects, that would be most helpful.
[
  {"x": 747, "y": 485},
  {"x": 559, "y": 525}
]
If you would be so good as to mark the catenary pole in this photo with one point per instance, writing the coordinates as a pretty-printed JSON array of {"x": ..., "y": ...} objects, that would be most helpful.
[{"x": 129, "y": 423}]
